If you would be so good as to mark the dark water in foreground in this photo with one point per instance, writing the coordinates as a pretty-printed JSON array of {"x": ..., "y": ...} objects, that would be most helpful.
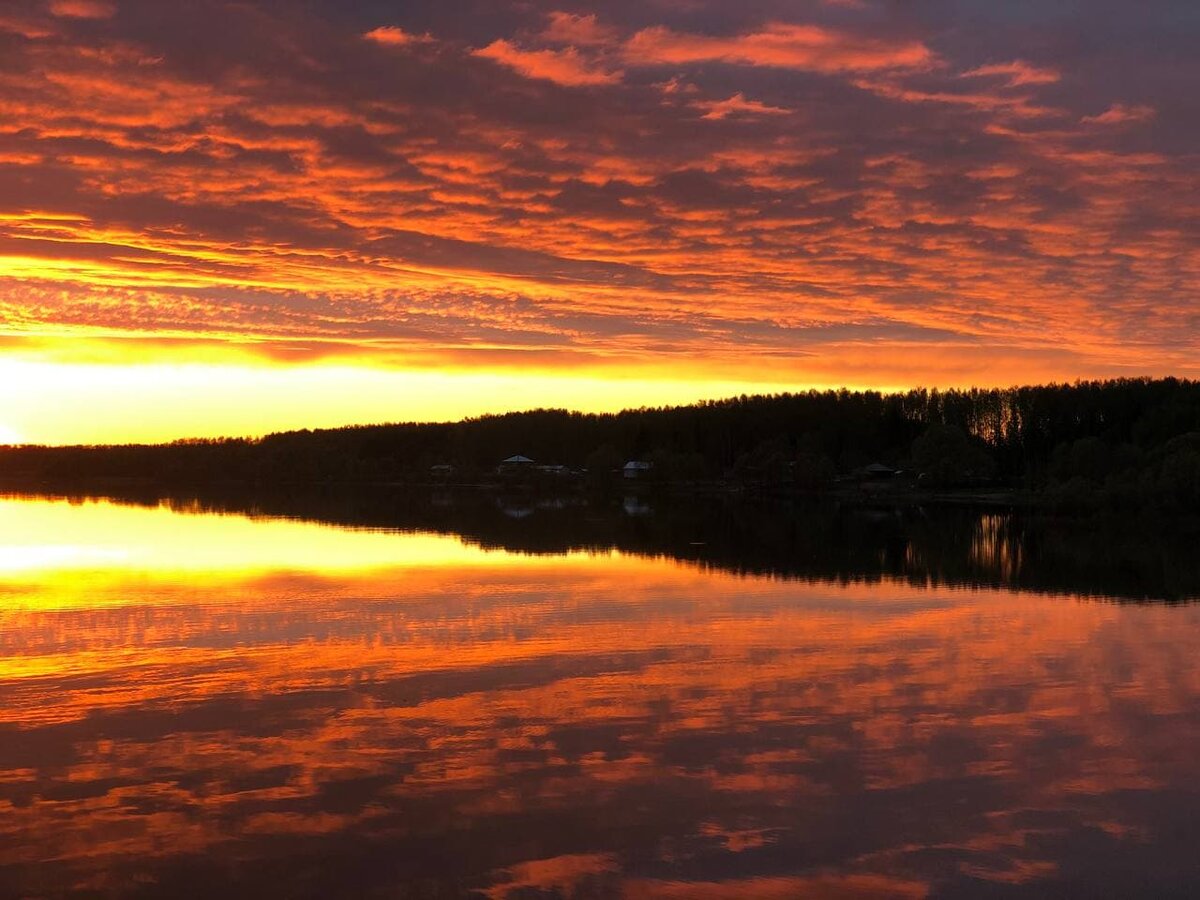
[{"x": 577, "y": 702}]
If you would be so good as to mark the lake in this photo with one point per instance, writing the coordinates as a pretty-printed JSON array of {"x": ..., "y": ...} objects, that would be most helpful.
[{"x": 513, "y": 698}]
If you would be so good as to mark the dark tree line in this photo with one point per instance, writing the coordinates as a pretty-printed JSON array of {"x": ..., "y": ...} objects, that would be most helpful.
[{"x": 1120, "y": 442}]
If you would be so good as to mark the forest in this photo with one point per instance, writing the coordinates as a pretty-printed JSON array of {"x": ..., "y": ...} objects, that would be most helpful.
[{"x": 1119, "y": 443}]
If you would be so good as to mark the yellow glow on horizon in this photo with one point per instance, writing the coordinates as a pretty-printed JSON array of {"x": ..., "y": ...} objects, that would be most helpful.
[
  {"x": 67, "y": 403},
  {"x": 10, "y": 435}
]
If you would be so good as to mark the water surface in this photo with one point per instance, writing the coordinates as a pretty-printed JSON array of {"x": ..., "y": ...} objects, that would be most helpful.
[{"x": 198, "y": 705}]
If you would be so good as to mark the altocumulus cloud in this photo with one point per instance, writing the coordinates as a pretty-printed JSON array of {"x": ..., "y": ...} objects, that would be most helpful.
[{"x": 855, "y": 191}]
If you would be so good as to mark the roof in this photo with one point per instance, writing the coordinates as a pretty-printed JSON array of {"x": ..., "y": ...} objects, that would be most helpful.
[
  {"x": 638, "y": 464},
  {"x": 879, "y": 468},
  {"x": 517, "y": 460}
]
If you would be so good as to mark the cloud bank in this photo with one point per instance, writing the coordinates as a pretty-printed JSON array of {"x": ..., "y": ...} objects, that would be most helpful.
[{"x": 819, "y": 192}]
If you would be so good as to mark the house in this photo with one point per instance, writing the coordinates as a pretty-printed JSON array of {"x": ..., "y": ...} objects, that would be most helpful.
[
  {"x": 879, "y": 472},
  {"x": 515, "y": 464},
  {"x": 636, "y": 468},
  {"x": 516, "y": 512}
]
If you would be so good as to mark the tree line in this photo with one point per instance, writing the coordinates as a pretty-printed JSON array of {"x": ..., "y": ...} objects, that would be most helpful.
[{"x": 1119, "y": 442}]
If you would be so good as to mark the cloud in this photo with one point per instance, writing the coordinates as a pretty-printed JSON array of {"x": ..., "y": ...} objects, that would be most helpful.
[
  {"x": 738, "y": 105},
  {"x": 567, "y": 67},
  {"x": 254, "y": 177},
  {"x": 392, "y": 36},
  {"x": 83, "y": 9},
  {"x": 1122, "y": 114},
  {"x": 778, "y": 45},
  {"x": 1018, "y": 73},
  {"x": 21, "y": 23},
  {"x": 579, "y": 31}
]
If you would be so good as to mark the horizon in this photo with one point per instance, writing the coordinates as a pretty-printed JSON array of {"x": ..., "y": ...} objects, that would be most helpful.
[
  {"x": 557, "y": 448},
  {"x": 224, "y": 218},
  {"x": 781, "y": 394},
  {"x": 651, "y": 448}
]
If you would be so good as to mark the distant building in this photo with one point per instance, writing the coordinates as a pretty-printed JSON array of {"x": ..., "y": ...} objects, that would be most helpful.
[
  {"x": 515, "y": 464},
  {"x": 878, "y": 472},
  {"x": 441, "y": 472},
  {"x": 516, "y": 512},
  {"x": 636, "y": 468}
]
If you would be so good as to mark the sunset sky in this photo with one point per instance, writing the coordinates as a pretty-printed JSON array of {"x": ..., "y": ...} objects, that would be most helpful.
[{"x": 237, "y": 217}]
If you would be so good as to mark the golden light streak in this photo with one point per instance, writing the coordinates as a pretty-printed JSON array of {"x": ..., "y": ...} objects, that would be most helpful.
[
  {"x": 674, "y": 210},
  {"x": 154, "y": 402},
  {"x": 62, "y": 542}
]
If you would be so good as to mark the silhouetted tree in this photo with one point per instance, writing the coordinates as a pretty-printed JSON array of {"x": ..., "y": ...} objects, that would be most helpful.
[
  {"x": 946, "y": 455},
  {"x": 1112, "y": 442}
]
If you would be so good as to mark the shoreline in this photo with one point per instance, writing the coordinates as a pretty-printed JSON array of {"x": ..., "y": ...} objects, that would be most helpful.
[{"x": 865, "y": 495}]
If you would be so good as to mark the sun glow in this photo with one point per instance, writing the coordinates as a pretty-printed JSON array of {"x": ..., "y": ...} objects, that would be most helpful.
[
  {"x": 595, "y": 212},
  {"x": 67, "y": 403}
]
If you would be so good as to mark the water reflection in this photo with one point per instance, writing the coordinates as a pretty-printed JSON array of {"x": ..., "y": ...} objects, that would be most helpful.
[
  {"x": 199, "y": 705},
  {"x": 1142, "y": 560}
]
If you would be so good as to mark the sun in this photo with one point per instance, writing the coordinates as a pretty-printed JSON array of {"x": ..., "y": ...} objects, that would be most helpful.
[{"x": 9, "y": 435}]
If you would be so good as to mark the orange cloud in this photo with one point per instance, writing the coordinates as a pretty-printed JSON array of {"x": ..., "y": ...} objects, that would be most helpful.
[
  {"x": 779, "y": 45},
  {"x": 83, "y": 9},
  {"x": 392, "y": 36},
  {"x": 313, "y": 202},
  {"x": 22, "y": 23},
  {"x": 580, "y": 31},
  {"x": 738, "y": 105},
  {"x": 1018, "y": 72},
  {"x": 567, "y": 67},
  {"x": 1122, "y": 114}
]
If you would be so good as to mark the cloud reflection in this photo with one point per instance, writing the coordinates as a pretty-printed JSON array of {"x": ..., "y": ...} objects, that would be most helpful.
[{"x": 602, "y": 725}]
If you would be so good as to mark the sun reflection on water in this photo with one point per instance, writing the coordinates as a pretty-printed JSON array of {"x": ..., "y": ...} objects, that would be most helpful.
[
  {"x": 44, "y": 540},
  {"x": 295, "y": 709}
]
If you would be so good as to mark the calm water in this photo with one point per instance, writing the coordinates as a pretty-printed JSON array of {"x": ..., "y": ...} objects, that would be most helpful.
[{"x": 871, "y": 705}]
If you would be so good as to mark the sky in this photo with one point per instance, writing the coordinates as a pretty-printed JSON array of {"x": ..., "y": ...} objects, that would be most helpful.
[{"x": 238, "y": 217}]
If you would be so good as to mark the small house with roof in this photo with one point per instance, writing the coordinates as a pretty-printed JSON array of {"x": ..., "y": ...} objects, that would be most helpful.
[
  {"x": 878, "y": 472},
  {"x": 636, "y": 468},
  {"x": 515, "y": 464}
]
